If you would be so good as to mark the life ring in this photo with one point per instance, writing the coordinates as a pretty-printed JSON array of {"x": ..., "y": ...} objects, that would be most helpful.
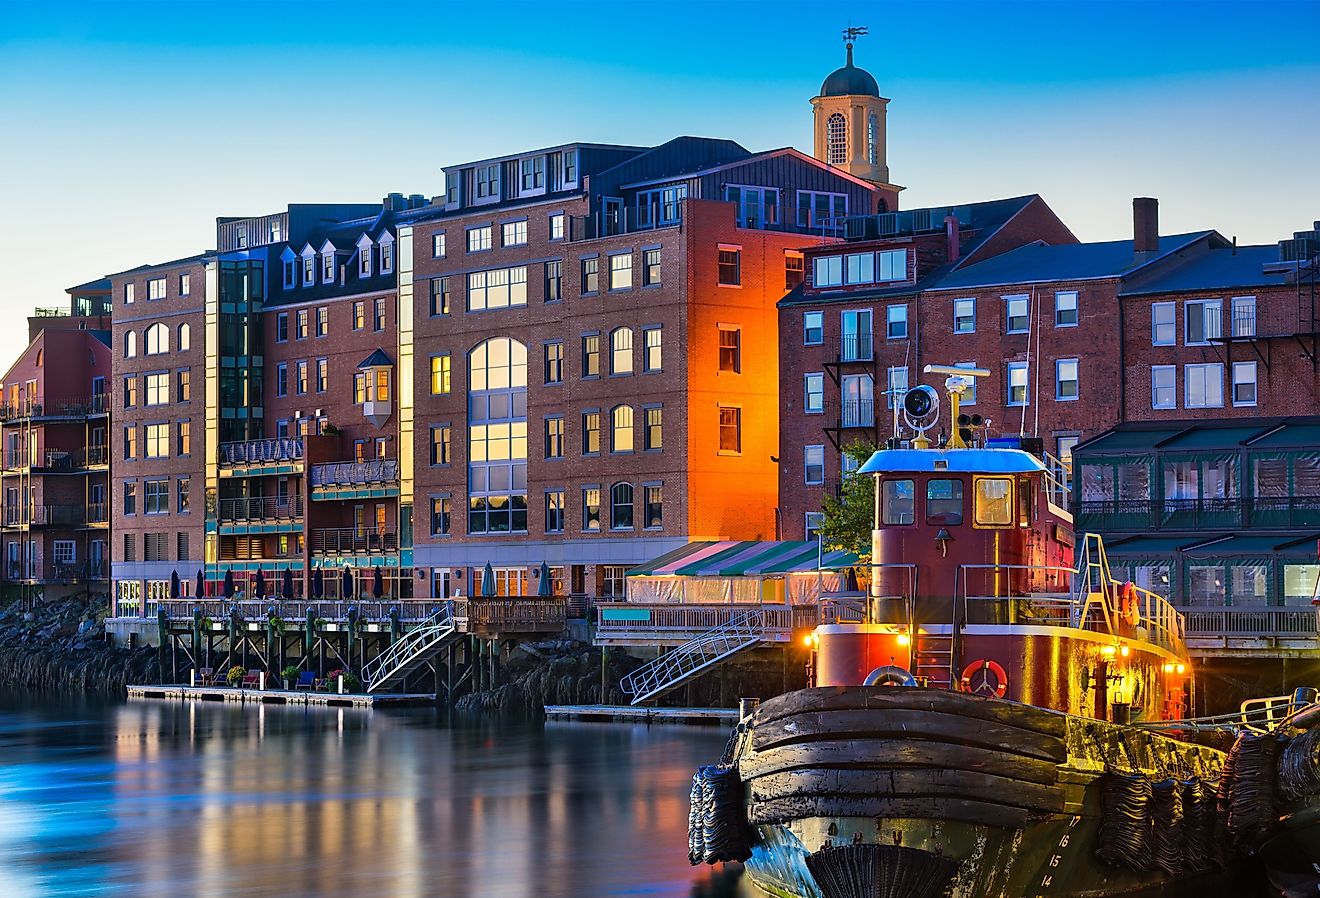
[
  {"x": 1001, "y": 678},
  {"x": 890, "y": 675},
  {"x": 1129, "y": 604}
]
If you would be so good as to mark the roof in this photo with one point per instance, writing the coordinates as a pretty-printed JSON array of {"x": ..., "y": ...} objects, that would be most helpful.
[
  {"x": 1213, "y": 545},
  {"x": 1228, "y": 268},
  {"x": 377, "y": 359},
  {"x": 100, "y": 285},
  {"x": 543, "y": 150},
  {"x": 849, "y": 81},
  {"x": 953, "y": 461},
  {"x": 749, "y": 558},
  {"x": 170, "y": 264},
  {"x": 1040, "y": 262},
  {"x": 1299, "y": 432}
]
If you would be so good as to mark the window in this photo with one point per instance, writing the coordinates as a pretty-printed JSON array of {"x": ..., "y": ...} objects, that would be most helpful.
[
  {"x": 896, "y": 323},
  {"x": 440, "y": 296},
  {"x": 300, "y": 378},
  {"x": 730, "y": 272},
  {"x": 156, "y": 496},
  {"x": 359, "y": 315},
  {"x": 590, "y": 275},
  {"x": 1244, "y": 316},
  {"x": 591, "y": 509},
  {"x": 821, "y": 210},
  {"x": 322, "y": 375},
  {"x": 438, "y": 245},
  {"x": 130, "y": 391},
  {"x": 328, "y": 267},
  {"x": 652, "y": 338},
  {"x": 478, "y": 239},
  {"x": 156, "y": 288},
  {"x": 621, "y": 271},
  {"x": 157, "y": 442},
  {"x": 893, "y": 265},
  {"x": 441, "y": 444},
  {"x": 898, "y": 502},
  {"x": 1164, "y": 386},
  {"x": 185, "y": 337},
  {"x": 322, "y": 321},
  {"x": 499, "y": 288},
  {"x": 871, "y": 154},
  {"x": 944, "y": 502},
  {"x": 382, "y": 385},
  {"x": 442, "y": 515},
  {"x": 497, "y": 437},
  {"x": 130, "y": 344},
  {"x": 184, "y": 433},
  {"x": 653, "y": 437},
  {"x": 309, "y": 269},
  {"x": 1015, "y": 314},
  {"x": 378, "y": 322},
  {"x": 282, "y": 327},
  {"x": 859, "y": 268},
  {"x": 557, "y": 226},
  {"x": 730, "y": 348},
  {"x": 128, "y": 294},
  {"x": 554, "y": 437},
  {"x": 661, "y": 206},
  {"x": 964, "y": 316},
  {"x": 827, "y": 271},
  {"x": 1163, "y": 327},
  {"x": 130, "y": 497},
  {"x": 856, "y": 340},
  {"x": 794, "y": 269},
  {"x": 290, "y": 274},
  {"x": 1017, "y": 383},
  {"x": 533, "y": 173},
  {"x": 621, "y": 429},
  {"x": 836, "y": 137},
  {"x": 754, "y": 207},
  {"x": 897, "y": 386},
  {"x": 621, "y": 351},
  {"x": 814, "y": 464},
  {"x": 621, "y": 506},
  {"x": 654, "y": 512},
  {"x": 1204, "y": 321},
  {"x": 591, "y": 355},
  {"x": 554, "y": 280},
  {"x": 1203, "y": 386},
  {"x": 857, "y": 400},
  {"x": 590, "y": 433},
  {"x": 730, "y": 429},
  {"x": 513, "y": 233},
  {"x": 814, "y": 388},
  {"x": 1065, "y": 379},
  {"x": 651, "y": 268},
  {"x": 812, "y": 522},
  {"x": 1065, "y": 308},
  {"x": 554, "y": 362},
  {"x": 300, "y": 332},
  {"x": 813, "y": 328},
  {"x": 359, "y": 388},
  {"x": 1244, "y": 383},
  {"x": 992, "y": 505},
  {"x": 488, "y": 181},
  {"x": 157, "y": 339},
  {"x": 440, "y": 375},
  {"x": 554, "y": 511},
  {"x": 185, "y": 501},
  {"x": 157, "y": 389}
]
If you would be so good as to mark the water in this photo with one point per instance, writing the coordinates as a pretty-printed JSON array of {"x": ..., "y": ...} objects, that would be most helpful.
[{"x": 165, "y": 800}]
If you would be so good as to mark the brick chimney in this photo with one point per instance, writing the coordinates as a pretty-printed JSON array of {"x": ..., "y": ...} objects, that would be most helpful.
[
  {"x": 951, "y": 233},
  {"x": 1145, "y": 224}
]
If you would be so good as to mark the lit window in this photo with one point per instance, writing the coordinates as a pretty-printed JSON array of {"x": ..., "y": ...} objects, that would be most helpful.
[
  {"x": 590, "y": 275},
  {"x": 157, "y": 339},
  {"x": 438, "y": 245},
  {"x": 651, "y": 268},
  {"x": 652, "y": 338},
  {"x": 156, "y": 288},
  {"x": 554, "y": 363},
  {"x": 653, "y": 435},
  {"x": 130, "y": 344},
  {"x": 621, "y": 271},
  {"x": 157, "y": 440},
  {"x": 590, "y": 433},
  {"x": 993, "y": 501},
  {"x": 300, "y": 332},
  {"x": 128, "y": 294},
  {"x": 440, "y": 375},
  {"x": 554, "y": 437},
  {"x": 499, "y": 288},
  {"x": 157, "y": 389},
  {"x": 440, "y": 444},
  {"x": 440, "y": 296},
  {"x": 479, "y": 239},
  {"x": 322, "y": 321},
  {"x": 621, "y": 351},
  {"x": 185, "y": 337},
  {"x": 621, "y": 429},
  {"x": 322, "y": 375},
  {"x": 554, "y": 280},
  {"x": 513, "y": 233},
  {"x": 591, "y": 355},
  {"x": 557, "y": 226}
]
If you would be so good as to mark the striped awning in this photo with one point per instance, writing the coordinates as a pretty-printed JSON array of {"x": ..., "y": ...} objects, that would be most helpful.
[{"x": 748, "y": 558}]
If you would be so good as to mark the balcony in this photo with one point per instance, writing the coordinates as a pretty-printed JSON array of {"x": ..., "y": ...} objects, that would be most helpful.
[
  {"x": 1236, "y": 513},
  {"x": 1247, "y": 627},
  {"x": 381, "y": 472},
  {"x": 57, "y": 461},
  {"x": 65, "y": 410},
  {"x": 850, "y": 413},
  {"x": 261, "y": 508},
  {"x": 261, "y": 452},
  {"x": 856, "y": 348},
  {"x": 50, "y": 515},
  {"x": 353, "y": 541},
  {"x": 57, "y": 572}
]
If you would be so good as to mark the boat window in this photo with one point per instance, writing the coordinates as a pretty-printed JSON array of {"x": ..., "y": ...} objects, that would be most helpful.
[
  {"x": 1026, "y": 502},
  {"x": 994, "y": 501},
  {"x": 944, "y": 502},
  {"x": 898, "y": 502}
]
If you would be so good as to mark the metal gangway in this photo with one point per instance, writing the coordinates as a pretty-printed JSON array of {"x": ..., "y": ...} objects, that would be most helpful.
[
  {"x": 713, "y": 647},
  {"x": 415, "y": 647}
]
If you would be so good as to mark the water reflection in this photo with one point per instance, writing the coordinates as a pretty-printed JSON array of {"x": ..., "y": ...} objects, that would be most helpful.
[{"x": 157, "y": 800}]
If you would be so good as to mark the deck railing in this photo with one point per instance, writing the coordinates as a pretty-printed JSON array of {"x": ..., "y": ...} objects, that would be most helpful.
[
  {"x": 51, "y": 515},
  {"x": 626, "y": 620},
  {"x": 353, "y": 473},
  {"x": 350, "y": 540},
  {"x": 1237, "y": 512},
  {"x": 293, "y": 612},
  {"x": 261, "y": 508},
  {"x": 250, "y": 452},
  {"x": 1251, "y": 621}
]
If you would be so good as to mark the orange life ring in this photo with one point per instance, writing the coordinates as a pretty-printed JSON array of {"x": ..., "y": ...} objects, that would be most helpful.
[
  {"x": 1129, "y": 604},
  {"x": 1001, "y": 678}
]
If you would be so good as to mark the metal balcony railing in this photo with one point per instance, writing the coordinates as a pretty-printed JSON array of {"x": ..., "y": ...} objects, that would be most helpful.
[
  {"x": 261, "y": 508},
  {"x": 46, "y": 515},
  {"x": 846, "y": 413},
  {"x": 57, "y": 572},
  {"x": 56, "y": 460},
  {"x": 350, "y": 540},
  {"x": 1251, "y": 621},
  {"x": 249, "y": 452},
  {"x": 856, "y": 348},
  {"x": 354, "y": 473},
  {"x": 80, "y": 408},
  {"x": 1237, "y": 512}
]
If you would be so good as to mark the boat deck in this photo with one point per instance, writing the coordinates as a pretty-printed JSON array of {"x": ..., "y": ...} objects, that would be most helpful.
[
  {"x": 279, "y": 696},
  {"x": 631, "y": 714}
]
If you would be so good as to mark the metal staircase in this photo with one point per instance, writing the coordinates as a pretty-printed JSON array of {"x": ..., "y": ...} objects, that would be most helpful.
[
  {"x": 1092, "y": 585},
  {"x": 415, "y": 647},
  {"x": 933, "y": 659},
  {"x": 675, "y": 668}
]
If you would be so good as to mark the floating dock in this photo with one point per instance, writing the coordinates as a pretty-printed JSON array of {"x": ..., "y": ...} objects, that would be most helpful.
[
  {"x": 631, "y": 714},
  {"x": 279, "y": 696}
]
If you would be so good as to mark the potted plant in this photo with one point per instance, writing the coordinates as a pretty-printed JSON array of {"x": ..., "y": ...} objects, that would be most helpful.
[
  {"x": 351, "y": 683},
  {"x": 276, "y": 624},
  {"x": 235, "y": 675},
  {"x": 290, "y": 675}
]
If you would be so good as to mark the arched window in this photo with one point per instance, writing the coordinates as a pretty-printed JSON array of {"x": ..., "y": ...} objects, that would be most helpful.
[
  {"x": 130, "y": 344},
  {"x": 621, "y": 506},
  {"x": 497, "y": 437},
  {"x": 870, "y": 139},
  {"x": 185, "y": 337},
  {"x": 158, "y": 339},
  {"x": 41, "y": 357},
  {"x": 621, "y": 428},
  {"x": 621, "y": 351},
  {"x": 836, "y": 127}
]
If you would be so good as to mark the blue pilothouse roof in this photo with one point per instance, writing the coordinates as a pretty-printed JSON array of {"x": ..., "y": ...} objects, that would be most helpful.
[{"x": 956, "y": 461}]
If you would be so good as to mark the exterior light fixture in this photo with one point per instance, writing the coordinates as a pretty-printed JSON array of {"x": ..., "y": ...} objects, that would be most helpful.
[
  {"x": 1125, "y": 651},
  {"x": 904, "y": 639},
  {"x": 1108, "y": 650},
  {"x": 1182, "y": 668}
]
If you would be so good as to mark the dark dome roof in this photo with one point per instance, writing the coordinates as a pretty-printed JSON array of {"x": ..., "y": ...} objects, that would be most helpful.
[{"x": 850, "y": 81}]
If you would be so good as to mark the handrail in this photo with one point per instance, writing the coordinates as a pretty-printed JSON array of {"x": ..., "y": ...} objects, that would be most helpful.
[
  {"x": 246, "y": 452},
  {"x": 355, "y": 472},
  {"x": 674, "y": 668},
  {"x": 435, "y": 629}
]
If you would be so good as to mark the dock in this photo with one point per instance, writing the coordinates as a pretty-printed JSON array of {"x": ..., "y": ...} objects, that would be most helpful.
[
  {"x": 279, "y": 696},
  {"x": 635, "y": 714}
]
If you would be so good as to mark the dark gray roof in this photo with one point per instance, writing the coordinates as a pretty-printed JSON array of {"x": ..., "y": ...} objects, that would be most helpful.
[
  {"x": 1218, "y": 269},
  {"x": 850, "y": 81},
  {"x": 170, "y": 264},
  {"x": 101, "y": 285},
  {"x": 376, "y": 360}
]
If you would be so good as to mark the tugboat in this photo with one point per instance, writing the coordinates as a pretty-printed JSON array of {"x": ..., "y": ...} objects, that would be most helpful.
[{"x": 1001, "y": 718}]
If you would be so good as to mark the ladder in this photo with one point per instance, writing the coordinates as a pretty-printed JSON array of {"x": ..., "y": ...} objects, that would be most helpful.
[
  {"x": 933, "y": 659},
  {"x": 675, "y": 668},
  {"x": 415, "y": 647},
  {"x": 1092, "y": 583}
]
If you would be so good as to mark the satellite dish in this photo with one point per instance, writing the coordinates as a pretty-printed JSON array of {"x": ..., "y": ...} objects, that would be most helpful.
[{"x": 921, "y": 407}]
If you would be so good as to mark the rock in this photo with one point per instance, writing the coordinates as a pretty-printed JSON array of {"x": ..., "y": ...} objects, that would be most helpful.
[{"x": 61, "y": 646}]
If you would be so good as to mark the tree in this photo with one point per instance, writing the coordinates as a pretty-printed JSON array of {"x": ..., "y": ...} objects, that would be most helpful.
[{"x": 850, "y": 516}]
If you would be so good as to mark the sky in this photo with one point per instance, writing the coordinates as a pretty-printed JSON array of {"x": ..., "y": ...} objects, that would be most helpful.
[{"x": 127, "y": 128}]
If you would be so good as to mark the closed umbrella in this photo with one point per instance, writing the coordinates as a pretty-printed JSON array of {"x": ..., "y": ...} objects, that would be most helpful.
[
  {"x": 378, "y": 584},
  {"x": 259, "y": 585},
  {"x": 488, "y": 582},
  {"x": 318, "y": 584},
  {"x": 174, "y": 584},
  {"x": 287, "y": 589},
  {"x": 545, "y": 587},
  {"x": 346, "y": 585},
  {"x": 229, "y": 584},
  {"x": 850, "y": 581},
  {"x": 201, "y": 586}
]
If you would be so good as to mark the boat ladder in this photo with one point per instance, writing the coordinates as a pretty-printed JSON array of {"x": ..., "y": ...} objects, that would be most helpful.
[
  {"x": 675, "y": 668},
  {"x": 933, "y": 659},
  {"x": 1092, "y": 582},
  {"x": 414, "y": 648}
]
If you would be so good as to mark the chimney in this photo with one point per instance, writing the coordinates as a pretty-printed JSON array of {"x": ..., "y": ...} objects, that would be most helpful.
[
  {"x": 1145, "y": 224},
  {"x": 393, "y": 203},
  {"x": 951, "y": 233}
]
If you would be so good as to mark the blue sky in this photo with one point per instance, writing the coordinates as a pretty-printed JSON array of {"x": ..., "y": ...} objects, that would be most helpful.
[{"x": 130, "y": 127}]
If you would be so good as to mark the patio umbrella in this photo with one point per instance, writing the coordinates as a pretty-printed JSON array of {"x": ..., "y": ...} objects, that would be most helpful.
[
  {"x": 850, "y": 581},
  {"x": 201, "y": 585},
  {"x": 488, "y": 582},
  {"x": 545, "y": 587},
  {"x": 259, "y": 585},
  {"x": 346, "y": 584},
  {"x": 174, "y": 584},
  {"x": 318, "y": 583},
  {"x": 377, "y": 584},
  {"x": 229, "y": 584},
  {"x": 287, "y": 589}
]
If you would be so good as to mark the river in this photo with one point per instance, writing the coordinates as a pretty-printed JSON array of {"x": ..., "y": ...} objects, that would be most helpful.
[{"x": 167, "y": 800}]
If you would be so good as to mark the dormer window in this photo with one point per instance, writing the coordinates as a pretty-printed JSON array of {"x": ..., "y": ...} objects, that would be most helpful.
[
  {"x": 452, "y": 180},
  {"x": 364, "y": 246},
  {"x": 240, "y": 236},
  {"x": 533, "y": 173},
  {"x": 276, "y": 234},
  {"x": 488, "y": 181},
  {"x": 570, "y": 166},
  {"x": 309, "y": 267},
  {"x": 290, "y": 265},
  {"x": 328, "y": 264},
  {"x": 386, "y": 253}
]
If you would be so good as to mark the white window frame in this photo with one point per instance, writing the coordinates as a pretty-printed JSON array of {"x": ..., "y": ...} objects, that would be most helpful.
[
  {"x": 1156, "y": 371},
  {"x": 438, "y": 245},
  {"x": 827, "y": 271},
  {"x": 1210, "y": 332},
  {"x": 1254, "y": 381},
  {"x": 513, "y": 233},
  {"x": 968, "y": 397},
  {"x": 1026, "y": 384},
  {"x": 972, "y": 316},
  {"x": 807, "y": 465},
  {"x": 1059, "y": 308},
  {"x": 820, "y": 326},
  {"x": 1198, "y": 375},
  {"x": 891, "y": 265},
  {"x": 818, "y": 379},
  {"x": 556, "y": 225},
  {"x": 1155, "y": 323},
  {"x": 157, "y": 288},
  {"x": 891, "y": 320},
  {"x": 1246, "y": 324},
  {"x": 1025, "y": 299},
  {"x": 1059, "y": 381},
  {"x": 386, "y": 244}
]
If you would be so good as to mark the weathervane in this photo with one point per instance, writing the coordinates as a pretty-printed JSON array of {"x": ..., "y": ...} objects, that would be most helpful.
[{"x": 850, "y": 34}]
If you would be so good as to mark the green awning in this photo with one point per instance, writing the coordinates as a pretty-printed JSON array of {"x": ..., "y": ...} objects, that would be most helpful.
[
  {"x": 1299, "y": 436},
  {"x": 1254, "y": 545},
  {"x": 1212, "y": 438},
  {"x": 1153, "y": 545}
]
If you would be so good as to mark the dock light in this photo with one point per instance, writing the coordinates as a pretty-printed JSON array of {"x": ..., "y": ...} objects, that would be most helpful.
[
  {"x": 1125, "y": 651},
  {"x": 1108, "y": 650},
  {"x": 1182, "y": 668},
  {"x": 1168, "y": 668},
  {"x": 904, "y": 639},
  {"x": 806, "y": 640}
]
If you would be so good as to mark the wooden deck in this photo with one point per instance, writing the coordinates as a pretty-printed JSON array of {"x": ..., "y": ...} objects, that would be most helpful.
[
  {"x": 278, "y": 696},
  {"x": 631, "y": 714}
]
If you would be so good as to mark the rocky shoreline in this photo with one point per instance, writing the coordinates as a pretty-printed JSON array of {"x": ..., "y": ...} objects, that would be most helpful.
[{"x": 61, "y": 647}]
